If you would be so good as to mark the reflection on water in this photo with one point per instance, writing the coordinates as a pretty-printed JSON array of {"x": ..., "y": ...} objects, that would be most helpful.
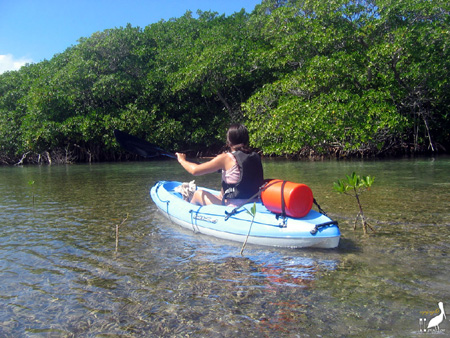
[{"x": 61, "y": 276}]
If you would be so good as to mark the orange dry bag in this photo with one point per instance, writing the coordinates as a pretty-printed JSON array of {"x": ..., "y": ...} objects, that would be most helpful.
[{"x": 296, "y": 199}]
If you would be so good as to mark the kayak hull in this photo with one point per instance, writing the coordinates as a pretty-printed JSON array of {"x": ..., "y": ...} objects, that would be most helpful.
[{"x": 268, "y": 229}]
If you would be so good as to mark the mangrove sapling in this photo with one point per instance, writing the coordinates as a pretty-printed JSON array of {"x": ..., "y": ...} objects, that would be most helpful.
[
  {"x": 117, "y": 232},
  {"x": 252, "y": 213},
  {"x": 354, "y": 186},
  {"x": 31, "y": 184}
]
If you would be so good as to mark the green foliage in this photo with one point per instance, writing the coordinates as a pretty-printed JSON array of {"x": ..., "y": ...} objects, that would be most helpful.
[
  {"x": 352, "y": 77},
  {"x": 252, "y": 211},
  {"x": 354, "y": 185},
  {"x": 307, "y": 77}
]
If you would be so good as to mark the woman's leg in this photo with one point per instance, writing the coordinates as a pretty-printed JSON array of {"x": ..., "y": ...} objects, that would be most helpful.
[{"x": 202, "y": 197}]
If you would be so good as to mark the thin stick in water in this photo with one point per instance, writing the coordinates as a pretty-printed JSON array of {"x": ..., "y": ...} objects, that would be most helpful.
[{"x": 117, "y": 231}]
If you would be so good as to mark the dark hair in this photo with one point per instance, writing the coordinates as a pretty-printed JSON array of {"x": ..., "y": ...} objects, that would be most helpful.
[{"x": 237, "y": 137}]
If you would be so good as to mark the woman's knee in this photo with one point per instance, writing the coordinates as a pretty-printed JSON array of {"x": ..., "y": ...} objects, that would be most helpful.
[
  {"x": 197, "y": 197},
  {"x": 202, "y": 197}
]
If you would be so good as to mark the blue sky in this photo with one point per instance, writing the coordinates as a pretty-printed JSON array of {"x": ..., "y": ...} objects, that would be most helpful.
[{"x": 34, "y": 30}]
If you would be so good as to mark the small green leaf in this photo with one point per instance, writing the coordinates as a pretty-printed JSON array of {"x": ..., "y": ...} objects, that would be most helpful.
[{"x": 252, "y": 211}]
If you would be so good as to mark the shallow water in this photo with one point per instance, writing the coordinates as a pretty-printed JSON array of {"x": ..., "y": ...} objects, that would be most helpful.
[{"x": 62, "y": 275}]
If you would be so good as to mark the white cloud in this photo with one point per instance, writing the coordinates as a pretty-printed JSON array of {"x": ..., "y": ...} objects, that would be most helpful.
[{"x": 7, "y": 62}]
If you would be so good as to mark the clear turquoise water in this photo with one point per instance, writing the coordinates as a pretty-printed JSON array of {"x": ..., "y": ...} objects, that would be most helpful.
[{"x": 62, "y": 275}]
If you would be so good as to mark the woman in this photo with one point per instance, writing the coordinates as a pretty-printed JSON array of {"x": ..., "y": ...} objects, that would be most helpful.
[{"x": 242, "y": 172}]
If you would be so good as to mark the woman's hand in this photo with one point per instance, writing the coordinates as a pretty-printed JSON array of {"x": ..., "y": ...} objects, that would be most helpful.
[{"x": 181, "y": 157}]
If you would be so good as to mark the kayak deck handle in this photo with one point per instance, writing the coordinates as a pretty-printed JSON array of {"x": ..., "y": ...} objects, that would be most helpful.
[{"x": 322, "y": 225}]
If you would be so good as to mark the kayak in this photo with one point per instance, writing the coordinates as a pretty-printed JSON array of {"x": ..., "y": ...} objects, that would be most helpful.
[{"x": 314, "y": 230}]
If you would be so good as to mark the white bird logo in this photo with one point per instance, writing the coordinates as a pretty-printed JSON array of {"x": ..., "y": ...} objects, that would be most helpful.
[{"x": 436, "y": 321}]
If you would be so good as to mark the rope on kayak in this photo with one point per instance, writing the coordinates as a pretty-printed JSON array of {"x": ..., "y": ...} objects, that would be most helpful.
[
  {"x": 318, "y": 207},
  {"x": 322, "y": 225},
  {"x": 235, "y": 210},
  {"x": 258, "y": 194},
  {"x": 192, "y": 220},
  {"x": 163, "y": 201}
]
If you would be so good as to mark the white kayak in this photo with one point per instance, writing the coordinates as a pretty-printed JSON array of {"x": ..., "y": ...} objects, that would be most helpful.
[{"x": 314, "y": 230}]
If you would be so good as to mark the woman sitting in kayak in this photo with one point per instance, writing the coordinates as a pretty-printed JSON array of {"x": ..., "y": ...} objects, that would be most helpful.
[{"x": 242, "y": 172}]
